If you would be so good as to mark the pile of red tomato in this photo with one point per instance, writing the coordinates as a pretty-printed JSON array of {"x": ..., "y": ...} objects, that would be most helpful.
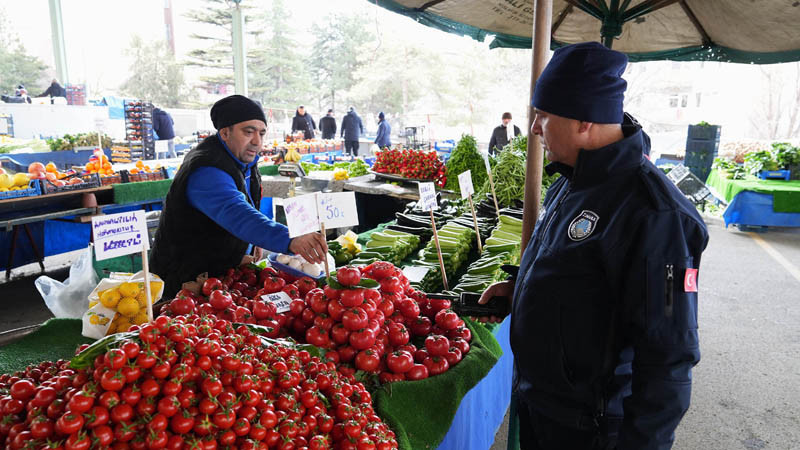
[{"x": 189, "y": 382}]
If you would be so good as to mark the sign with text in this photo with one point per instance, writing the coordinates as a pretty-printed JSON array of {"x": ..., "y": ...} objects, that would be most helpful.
[
  {"x": 119, "y": 234},
  {"x": 338, "y": 210},
  {"x": 301, "y": 214},
  {"x": 465, "y": 182},
  {"x": 427, "y": 196},
  {"x": 281, "y": 300}
]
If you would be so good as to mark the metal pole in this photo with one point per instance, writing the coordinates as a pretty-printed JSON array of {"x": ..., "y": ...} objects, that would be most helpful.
[
  {"x": 540, "y": 44},
  {"x": 57, "y": 36},
  {"x": 239, "y": 54}
]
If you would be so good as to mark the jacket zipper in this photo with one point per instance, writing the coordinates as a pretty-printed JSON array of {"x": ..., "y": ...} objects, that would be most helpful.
[
  {"x": 669, "y": 290},
  {"x": 555, "y": 210}
]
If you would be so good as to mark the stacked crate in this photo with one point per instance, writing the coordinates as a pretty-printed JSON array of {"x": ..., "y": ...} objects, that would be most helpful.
[
  {"x": 139, "y": 129},
  {"x": 702, "y": 145}
]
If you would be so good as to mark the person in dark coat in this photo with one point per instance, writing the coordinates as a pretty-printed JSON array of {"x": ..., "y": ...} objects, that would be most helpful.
[
  {"x": 303, "y": 121},
  {"x": 163, "y": 126},
  {"x": 54, "y": 90},
  {"x": 211, "y": 217},
  {"x": 352, "y": 129},
  {"x": 327, "y": 125},
  {"x": 501, "y": 135},
  {"x": 604, "y": 311},
  {"x": 383, "y": 139}
]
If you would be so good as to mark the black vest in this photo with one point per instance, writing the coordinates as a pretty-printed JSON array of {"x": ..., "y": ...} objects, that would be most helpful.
[{"x": 188, "y": 242}]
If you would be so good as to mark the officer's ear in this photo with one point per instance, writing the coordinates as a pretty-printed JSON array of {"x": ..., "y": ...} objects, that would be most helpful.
[{"x": 584, "y": 127}]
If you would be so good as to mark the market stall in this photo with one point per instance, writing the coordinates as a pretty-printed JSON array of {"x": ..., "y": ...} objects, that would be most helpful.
[{"x": 758, "y": 203}]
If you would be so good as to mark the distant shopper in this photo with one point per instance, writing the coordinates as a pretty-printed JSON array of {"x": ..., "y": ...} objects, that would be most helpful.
[
  {"x": 303, "y": 122},
  {"x": 162, "y": 125},
  {"x": 20, "y": 96},
  {"x": 327, "y": 125},
  {"x": 503, "y": 134},
  {"x": 352, "y": 129},
  {"x": 55, "y": 90},
  {"x": 383, "y": 140}
]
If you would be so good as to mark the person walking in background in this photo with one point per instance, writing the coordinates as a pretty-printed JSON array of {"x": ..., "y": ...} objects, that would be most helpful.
[
  {"x": 303, "y": 122},
  {"x": 352, "y": 129},
  {"x": 54, "y": 90},
  {"x": 503, "y": 134},
  {"x": 383, "y": 139},
  {"x": 162, "y": 125},
  {"x": 327, "y": 125}
]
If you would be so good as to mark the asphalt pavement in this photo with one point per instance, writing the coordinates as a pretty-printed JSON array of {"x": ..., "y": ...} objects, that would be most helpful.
[{"x": 746, "y": 391}]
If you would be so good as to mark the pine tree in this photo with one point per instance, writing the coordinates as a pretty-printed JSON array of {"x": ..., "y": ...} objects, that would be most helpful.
[{"x": 155, "y": 74}]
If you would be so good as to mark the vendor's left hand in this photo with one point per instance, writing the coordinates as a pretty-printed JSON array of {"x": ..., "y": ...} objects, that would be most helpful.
[{"x": 258, "y": 254}]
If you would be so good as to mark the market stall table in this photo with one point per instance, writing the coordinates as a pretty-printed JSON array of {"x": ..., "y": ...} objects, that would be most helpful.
[{"x": 758, "y": 203}]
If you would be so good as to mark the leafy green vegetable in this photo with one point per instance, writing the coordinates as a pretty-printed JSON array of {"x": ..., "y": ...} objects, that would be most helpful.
[
  {"x": 508, "y": 173},
  {"x": 755, "y": 162},
  {"x": 465, "y": 157},
  {"x": 786, "y": 155}
]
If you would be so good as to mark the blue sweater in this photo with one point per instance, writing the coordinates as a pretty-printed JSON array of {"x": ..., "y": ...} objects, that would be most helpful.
[{"x": 214, "y": 193}]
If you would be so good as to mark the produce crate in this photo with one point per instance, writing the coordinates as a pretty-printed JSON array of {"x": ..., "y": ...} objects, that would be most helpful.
[
  {"x": 89, "y": 181},
  {"x": 775, "y": 175},
  {"x": 711, "y": 132},
  {"x": 128, "y": 177},
  {"x": 111, "y": 179},
  {"x": 34, "y": 188}
]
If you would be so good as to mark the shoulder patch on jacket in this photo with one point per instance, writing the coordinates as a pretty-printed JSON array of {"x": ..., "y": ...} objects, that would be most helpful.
[{"x": 583, "y": 225}]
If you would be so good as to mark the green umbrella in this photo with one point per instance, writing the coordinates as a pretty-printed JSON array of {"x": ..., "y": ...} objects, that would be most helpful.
[{"x": 741, "y": 31}]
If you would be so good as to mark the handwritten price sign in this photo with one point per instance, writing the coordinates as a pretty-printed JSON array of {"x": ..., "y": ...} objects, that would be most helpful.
[
  {"x": 301, "y": 214},
  {"x": 119, "y": 234},
  {"x": 337, "y": 210},
  {"x": 465, "y": 182},
  {"x": 281, "y": 300},
  {"x": 427, "y": 196}
]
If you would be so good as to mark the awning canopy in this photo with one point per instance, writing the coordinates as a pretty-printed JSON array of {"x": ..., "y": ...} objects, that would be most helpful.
[{"x": 742, "y": 31}]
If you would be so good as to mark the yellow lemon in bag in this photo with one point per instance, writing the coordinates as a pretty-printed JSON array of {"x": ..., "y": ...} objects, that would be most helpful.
[
  {"x": 123, "y": 325},
  {"x": 110, "y": 297},
  {"x": 129, "y": 289},
  {"x": 140, "y": 318},
  {"x": 128, "y": 307}
]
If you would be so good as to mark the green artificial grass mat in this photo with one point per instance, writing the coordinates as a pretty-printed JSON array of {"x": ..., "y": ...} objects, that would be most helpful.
[
  {"x": 785, "y": 194},
  {"x": 268, "y": 170},
  {"x": 56, "y": 339},
  {"x": 421, "y": 412},
  {"x": 140, "y": 191}
]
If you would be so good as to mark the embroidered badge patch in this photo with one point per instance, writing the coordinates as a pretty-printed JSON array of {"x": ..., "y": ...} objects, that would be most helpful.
[{"x": 582, "y": 226}]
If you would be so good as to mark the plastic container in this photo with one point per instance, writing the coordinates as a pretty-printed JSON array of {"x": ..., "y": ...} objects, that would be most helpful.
[
  {"x": 34, "y": 188},
  {"x": 710, "y": 132},
  {"x": 89, "y": 181},
  {"x": 775, "y": 175}
]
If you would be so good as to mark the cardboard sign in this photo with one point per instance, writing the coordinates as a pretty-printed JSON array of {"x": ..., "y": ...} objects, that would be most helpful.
[
  {"x": 427, "y": 196},
  {"x": 465, "y": 182},
  {"x": 281, "y": 300},
  {"x": 415, "y": 274},
  {"x": 301, "y": 214},
  {"x": 338, "y": 210},
  {"x": 119, "y": 234}
]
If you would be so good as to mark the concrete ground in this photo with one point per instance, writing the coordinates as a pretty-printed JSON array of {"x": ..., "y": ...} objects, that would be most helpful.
[{"x": 746, "y": 392}]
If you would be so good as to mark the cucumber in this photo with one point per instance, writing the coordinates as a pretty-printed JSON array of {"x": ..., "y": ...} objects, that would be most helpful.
[
  {"x": 513, "y": 221},
  {"x": 500, "y": 247}
]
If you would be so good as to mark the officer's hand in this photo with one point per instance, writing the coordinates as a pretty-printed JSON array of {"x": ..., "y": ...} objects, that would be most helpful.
[
  {"x": 500, "y": 289},
  {"x": 311, "y": 246}
]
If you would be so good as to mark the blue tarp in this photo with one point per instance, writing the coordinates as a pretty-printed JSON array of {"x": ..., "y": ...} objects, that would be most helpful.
[
  {"x": 483, "y": 408},
  {"x": 115, "y": 107},
  {"x": 755, "y": 209}
]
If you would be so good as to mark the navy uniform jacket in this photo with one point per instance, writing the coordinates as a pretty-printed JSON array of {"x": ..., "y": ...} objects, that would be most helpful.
[{"x": 602, "y": 323}]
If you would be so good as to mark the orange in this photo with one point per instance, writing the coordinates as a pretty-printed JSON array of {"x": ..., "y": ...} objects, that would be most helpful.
[
  {"x": 134, "y": 171},
  {"x": 106, "y": 164},
  {"x": 139, "y": 164},
  {"x": 51, "y": 168}
]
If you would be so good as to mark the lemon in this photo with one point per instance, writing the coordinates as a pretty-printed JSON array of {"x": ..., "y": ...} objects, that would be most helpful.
[
  {"x": 94, "y": 319},
  {"x": 129, "y": 289},
  {"x": 110, "y": 298},
  {"x": 142, "y": 299},
  {"x": 140, "y": 318},
  {"x": 123, "y": 326},
  {"x": 128, "y": 307}
]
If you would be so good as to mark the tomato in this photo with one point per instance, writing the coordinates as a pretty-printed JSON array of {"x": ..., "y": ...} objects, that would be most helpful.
[
  {"x": 409, "y": 308},
  {"x": 461, "y": 344},
  {"x": 69, "y": 423},
  {"x": 220, "y": 299},
  {"x": 181, "y": 423},
  {"x": 362, "y": 339},
  {"x": 453, "y": 356},
  {"x": 96, "y": 417},
  {"x": 268, "y": 419},
  {"x": 296, "y": 307},
  {"x": 44, "y": 396},
  {"x": 146, "y": 359},
  {"x": 400, "y": 362},
  {"x": 273, "y": 284},
  {"x": 306, "y": 285},
  {"x": 22, "y": 390},
  {"x": 112, "y": 381},
  {"x": 436, "y": 365},
  {"x": 157, "y": 440},
  {"x": 438, "y": 304},
  {"x": 122, "y": 413},
  {"x": 318, "y": 337},
  {"x": 211, "y": 284},
  {"x": 182, "y": 306},
  {"x": 398, "y": 334},
  {"x": 224, "y": 419},
  {"x": 41, "y": 428},
  {"x": 80, "y": 403},
  {"x": 421, "y": 326},
  {"x": 368, "y": 361},
  {"x": 116, "y": 358},
  {"x": 354, "y": 318},
  {"x": 382, "y": 269},
  {"x": 292, "y": 291},
  {"x": 391, "y": 285},
  {"x": 437, "y": 345},
  {"x": 447, "y": 319},
  {"x": 335, "y": 310},
  {"x": 241, "y": 427},
  {"x": 420, "y": 355},
  {"x": 78, "y": 441},
  {"x": 261, "y": 310},
  {"x": 331, "y": 293},
  {"x": 348, "y": 276},
  {"x": 386, "y": 306},
  {"x": 104, "y": 435},
  {"x": 161, "y": 370},
  {"x": 417, "y": 372},
  {"x": 319, "y": 442},
  {"x": 352, "y": 297},
  {"x": 340, "y": 334}
]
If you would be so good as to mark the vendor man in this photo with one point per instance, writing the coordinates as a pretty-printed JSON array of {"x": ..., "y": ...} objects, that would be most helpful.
[
  {"x": 604, "y": 312},
  {"x": 212, "y": 216}
]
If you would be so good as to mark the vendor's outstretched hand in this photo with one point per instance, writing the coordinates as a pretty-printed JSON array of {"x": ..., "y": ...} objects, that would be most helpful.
[
  {"x": 500, "y": 289},
  {"x": 311, "y": 246}
]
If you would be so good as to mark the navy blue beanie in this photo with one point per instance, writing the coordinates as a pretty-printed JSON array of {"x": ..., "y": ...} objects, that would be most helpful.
[
  {"x": 381, "y": 116},
  {"x": 234, "y": 109},
  {"x": 583, "y": 82}
]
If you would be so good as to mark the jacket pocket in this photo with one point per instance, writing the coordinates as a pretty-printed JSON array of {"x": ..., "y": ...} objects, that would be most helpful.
[{"x": 668, "y": 306}]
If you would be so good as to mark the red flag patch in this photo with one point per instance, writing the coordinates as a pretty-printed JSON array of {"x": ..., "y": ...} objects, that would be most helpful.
[{"x": 690, "y": 281}]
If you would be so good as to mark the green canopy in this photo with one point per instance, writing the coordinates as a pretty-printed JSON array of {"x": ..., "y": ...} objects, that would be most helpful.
[{"x": 740, "y": 31}]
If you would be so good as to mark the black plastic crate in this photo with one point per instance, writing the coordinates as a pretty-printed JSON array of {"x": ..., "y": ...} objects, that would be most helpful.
[
  {"x": 709, "y": 133},
  {"x": 89, "y": 181}
]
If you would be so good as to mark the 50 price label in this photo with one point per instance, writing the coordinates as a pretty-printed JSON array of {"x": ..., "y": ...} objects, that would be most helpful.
[{"x": 337, "y": 210}]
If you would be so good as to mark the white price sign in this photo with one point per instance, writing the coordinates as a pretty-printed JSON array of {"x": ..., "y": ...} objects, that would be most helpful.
[
  {"x": 301, "y": 214},
  {"x": 338, "y": 210},
  {"x": 465, "y": 182},
  {"x": 415, "y": 274},
  {"x": 119, "y": 234},
  {"x": 281, "y": 300},
  {"x": 427, "y": 196}
]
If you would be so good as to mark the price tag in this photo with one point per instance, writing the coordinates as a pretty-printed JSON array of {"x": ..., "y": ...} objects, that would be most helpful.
[
  {"x": 486, "y": 161},
  {"x": 415, "y": 274},
  {"x": 119, "y": 234},
  {"x": 465, "y": 182},
  {"x": 301, "y": 214},
  {"x": 338, "y": 210},
  {"x": 281, "y": 300},
  {"x": 99, "y": 124},
  {"x": 427, "y": 196}
]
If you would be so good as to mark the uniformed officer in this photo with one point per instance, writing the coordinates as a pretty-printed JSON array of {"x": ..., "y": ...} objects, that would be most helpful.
[{"x": 604, "y": 313}]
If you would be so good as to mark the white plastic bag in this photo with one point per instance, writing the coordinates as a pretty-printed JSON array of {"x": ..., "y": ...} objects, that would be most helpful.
[{"x": 68, "y": 299}]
